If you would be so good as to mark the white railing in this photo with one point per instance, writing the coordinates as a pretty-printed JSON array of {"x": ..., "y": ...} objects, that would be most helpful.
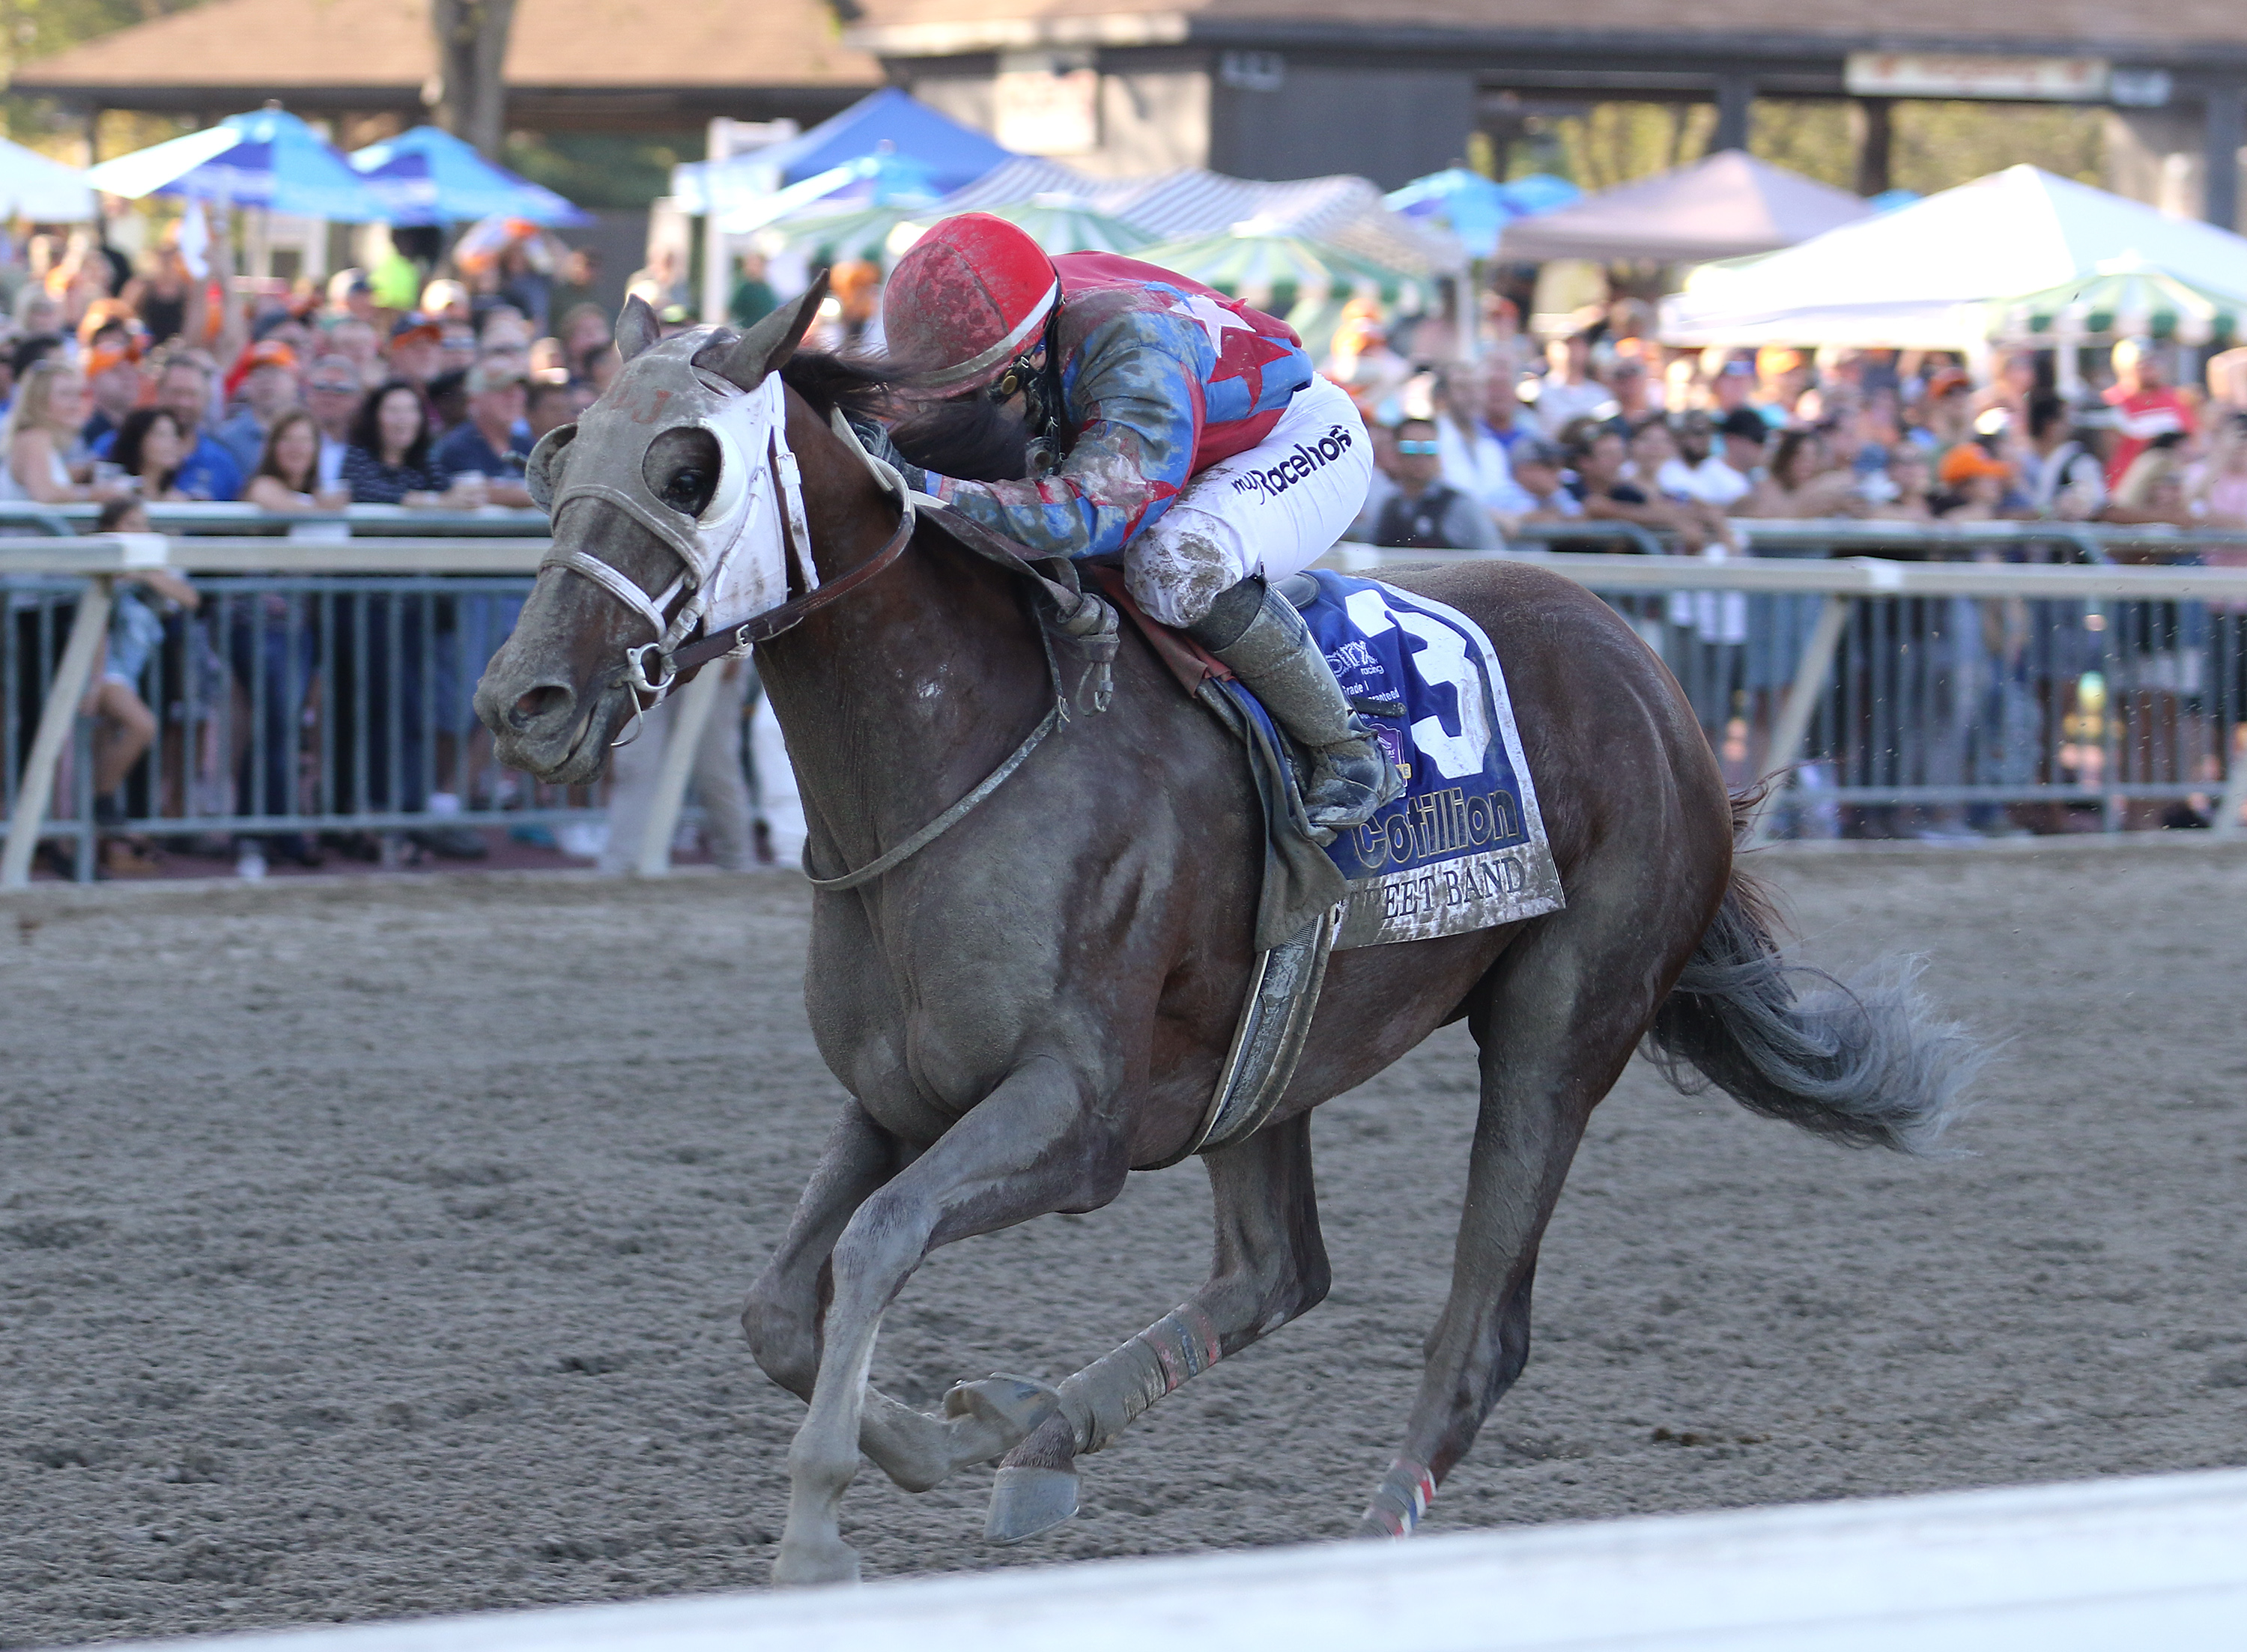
[
  {"x": 2158, "y": 1564},
  {"x": 1842, "y": 584}
]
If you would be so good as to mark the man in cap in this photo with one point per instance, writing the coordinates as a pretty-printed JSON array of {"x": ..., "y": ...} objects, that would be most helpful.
[
  {"x": 1167, "y": 423},
  {"x": 416, "y": 346},
  {"x": 269, "y": 389},
  {"x": 492, "y": 442}
]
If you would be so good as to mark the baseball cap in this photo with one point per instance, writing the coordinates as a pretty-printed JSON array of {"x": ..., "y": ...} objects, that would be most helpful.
[
  {"x": 1968, "y": 459},
  {"x": 270, "y": 352},
  {"x": 414, "y": 322},
  {"x": 494, "y": 375},
  {"x": 1747, "y": 424}
]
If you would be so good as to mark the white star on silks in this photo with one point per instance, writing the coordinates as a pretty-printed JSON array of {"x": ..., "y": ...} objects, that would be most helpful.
[{"x": 1214, "y": 318}]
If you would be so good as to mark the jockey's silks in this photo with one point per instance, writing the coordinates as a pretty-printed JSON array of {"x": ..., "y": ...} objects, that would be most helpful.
[{"x": 1160, "y": 378}]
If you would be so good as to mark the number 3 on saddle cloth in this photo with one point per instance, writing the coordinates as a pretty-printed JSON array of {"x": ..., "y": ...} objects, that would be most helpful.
[{"x": 1464, "y": 847}]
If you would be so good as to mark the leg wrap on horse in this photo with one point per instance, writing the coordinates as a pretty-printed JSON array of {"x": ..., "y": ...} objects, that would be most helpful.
[
  {"x": 1404, "y": 1494},
  {"x": 1102, "y": 1400}
]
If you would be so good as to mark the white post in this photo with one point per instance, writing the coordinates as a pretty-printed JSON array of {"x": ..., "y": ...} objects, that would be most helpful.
[
  {"x": 1792, "y": 728},
  {"x": 717, "y": 259},
  {"x": 56, "y": 718},
  {"x": 694, "y": 703}
]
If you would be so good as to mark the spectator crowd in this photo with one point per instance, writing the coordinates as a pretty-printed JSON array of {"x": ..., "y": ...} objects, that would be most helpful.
[
  {"x": 134, "y": 383},
  {"x": 1604, "y": 424}
]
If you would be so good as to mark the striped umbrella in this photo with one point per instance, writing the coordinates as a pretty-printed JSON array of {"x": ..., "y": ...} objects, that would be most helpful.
[
  {"x": 1068, "y": 223},
  {"x": 1274, "y": 269},
  {"x": 864, "y": 232},
  {"x": 1305, "y": 281},
  {"x": 2124, "y": 297}
]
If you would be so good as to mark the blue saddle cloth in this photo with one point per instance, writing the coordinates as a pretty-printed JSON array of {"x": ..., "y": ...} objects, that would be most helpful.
[{"x": 1464, "y": 848}]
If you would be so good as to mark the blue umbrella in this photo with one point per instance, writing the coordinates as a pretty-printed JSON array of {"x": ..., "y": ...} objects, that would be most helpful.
[
  {"x": 1539, "y": 192},
  {"x": 267, "y": 158},
  {"x": 440, "y": 179},
  {"x": 1477, "y": 208},
  {"x": 1473, "y": 205}
]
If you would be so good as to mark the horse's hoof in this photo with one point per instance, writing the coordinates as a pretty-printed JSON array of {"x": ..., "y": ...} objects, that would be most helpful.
[
  {"x": 806, "y": 1565},
  {"x": 998, "y": 1414},
  {"x": 1025, "y": 1502}
]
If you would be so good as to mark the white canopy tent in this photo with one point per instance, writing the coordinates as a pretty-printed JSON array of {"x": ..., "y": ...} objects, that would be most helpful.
[
  {"x": 1725, "y": 205},
  {"x": 41, "y": 190},
  {"x": 1925, "y": 275}
]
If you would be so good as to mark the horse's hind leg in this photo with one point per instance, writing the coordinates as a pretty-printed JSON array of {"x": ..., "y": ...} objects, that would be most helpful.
[
  {"x": 1557, "y": 1021},
  {"x": 1271, "y": 1267},
  {"x": 1034, "y": 1145}
]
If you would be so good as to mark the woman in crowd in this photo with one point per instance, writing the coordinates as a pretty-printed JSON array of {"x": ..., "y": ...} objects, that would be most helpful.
[
  {"x": 150, "y": 448},
  {"x": 124, "y": 725},
  {"x": 289, "y": 472},
  {"x": 387, "y": 463},
  {"x": 1801, "y": 485},
  {"x": 42, "y": 437}
]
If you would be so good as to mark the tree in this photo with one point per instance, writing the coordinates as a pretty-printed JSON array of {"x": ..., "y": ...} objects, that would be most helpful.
[{"x": 471, "y": 101}]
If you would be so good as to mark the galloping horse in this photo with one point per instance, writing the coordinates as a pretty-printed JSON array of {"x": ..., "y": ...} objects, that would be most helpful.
[{"x": 1040, "y": 999}]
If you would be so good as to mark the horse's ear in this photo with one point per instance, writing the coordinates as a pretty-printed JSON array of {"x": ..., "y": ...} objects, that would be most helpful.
[
  {"x": 538, "y": 473},
  {"x": 637, "y": 327},
  {"x": 762, "y": 349}
]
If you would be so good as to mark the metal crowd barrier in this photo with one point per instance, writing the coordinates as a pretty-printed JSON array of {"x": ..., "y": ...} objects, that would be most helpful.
[
  {"x": 325, "y": 686},
  {"x": 198, "y": 516},
  {"x": 319, "y": 688},
  {"x": 1930, "y": 698}
]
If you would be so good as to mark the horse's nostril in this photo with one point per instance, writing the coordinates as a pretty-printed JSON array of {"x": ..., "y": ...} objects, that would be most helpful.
[{"x": 538, "y": 704}]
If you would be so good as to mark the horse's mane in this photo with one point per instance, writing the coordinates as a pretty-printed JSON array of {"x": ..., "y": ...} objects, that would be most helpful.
[{"x": 968, "y": 436}]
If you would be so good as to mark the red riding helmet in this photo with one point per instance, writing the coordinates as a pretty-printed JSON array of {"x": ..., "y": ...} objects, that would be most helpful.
[{"x": 966, "y": 300}]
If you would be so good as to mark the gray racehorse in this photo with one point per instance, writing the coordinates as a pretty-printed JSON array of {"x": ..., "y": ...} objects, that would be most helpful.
[{"x": 1040, "y": 999}]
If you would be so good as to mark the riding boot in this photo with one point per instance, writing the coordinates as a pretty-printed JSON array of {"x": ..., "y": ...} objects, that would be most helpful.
[{"x": 1263, "y": 641}]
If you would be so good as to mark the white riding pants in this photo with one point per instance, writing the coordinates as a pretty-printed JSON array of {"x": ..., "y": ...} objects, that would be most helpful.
[{"x": 1272, "y": 509}]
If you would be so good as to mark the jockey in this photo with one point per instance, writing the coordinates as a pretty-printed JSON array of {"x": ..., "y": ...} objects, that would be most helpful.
[{"x": 1167, "y": 423}]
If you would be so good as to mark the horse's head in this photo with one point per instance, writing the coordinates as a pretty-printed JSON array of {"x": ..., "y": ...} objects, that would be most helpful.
[{"x": 668, "y": 511}]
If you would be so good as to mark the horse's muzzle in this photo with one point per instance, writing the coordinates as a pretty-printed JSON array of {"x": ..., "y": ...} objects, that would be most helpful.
[{"x": 541, "y": 725}]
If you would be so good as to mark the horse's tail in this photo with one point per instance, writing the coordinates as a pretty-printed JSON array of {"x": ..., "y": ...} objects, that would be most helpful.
[{"x": 1865, "y": 1064}]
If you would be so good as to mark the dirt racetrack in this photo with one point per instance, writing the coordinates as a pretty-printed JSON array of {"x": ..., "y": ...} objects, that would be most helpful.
[{"x": 374, "y": 1249}]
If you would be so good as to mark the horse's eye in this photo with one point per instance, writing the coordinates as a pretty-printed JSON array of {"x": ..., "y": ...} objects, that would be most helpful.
[{"x": 688, "y": 490}]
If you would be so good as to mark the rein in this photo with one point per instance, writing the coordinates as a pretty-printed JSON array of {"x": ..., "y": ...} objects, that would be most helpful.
[{"x": 1079, "y": 612}]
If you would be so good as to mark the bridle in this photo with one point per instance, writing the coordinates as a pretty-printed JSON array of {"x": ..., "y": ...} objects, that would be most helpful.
[
  {"x": 738, "y": 493},
  {"x": 1081, "y": 614}
]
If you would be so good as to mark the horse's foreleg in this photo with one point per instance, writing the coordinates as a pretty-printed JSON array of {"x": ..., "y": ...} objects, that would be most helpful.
[
  {"x": 1556, "y": 1021},
  {"x": 1270, "y": 1267},
  {"x": 782, "y": 1317},
  {"x": 1033, "y": 1146},
  {"x": 782, "y": 1323}
]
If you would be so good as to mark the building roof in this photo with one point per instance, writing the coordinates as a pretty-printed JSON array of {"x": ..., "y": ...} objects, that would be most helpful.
[
  {"x": 290, "y": 48},
  {"x": 2123, "y": 27}
]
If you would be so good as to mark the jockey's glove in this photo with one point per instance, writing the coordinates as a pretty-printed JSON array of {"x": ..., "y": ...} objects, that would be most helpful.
[{"x": 875, "y": 437}]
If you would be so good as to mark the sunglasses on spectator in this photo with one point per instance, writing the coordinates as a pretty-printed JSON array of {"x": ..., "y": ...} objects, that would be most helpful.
[
  {"x": 1419, "y": 450},
  {"x": 335, "y": 387}
]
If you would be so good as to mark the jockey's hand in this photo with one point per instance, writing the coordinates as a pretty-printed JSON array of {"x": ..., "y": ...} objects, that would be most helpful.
[{"x": 875, "y": 437}]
